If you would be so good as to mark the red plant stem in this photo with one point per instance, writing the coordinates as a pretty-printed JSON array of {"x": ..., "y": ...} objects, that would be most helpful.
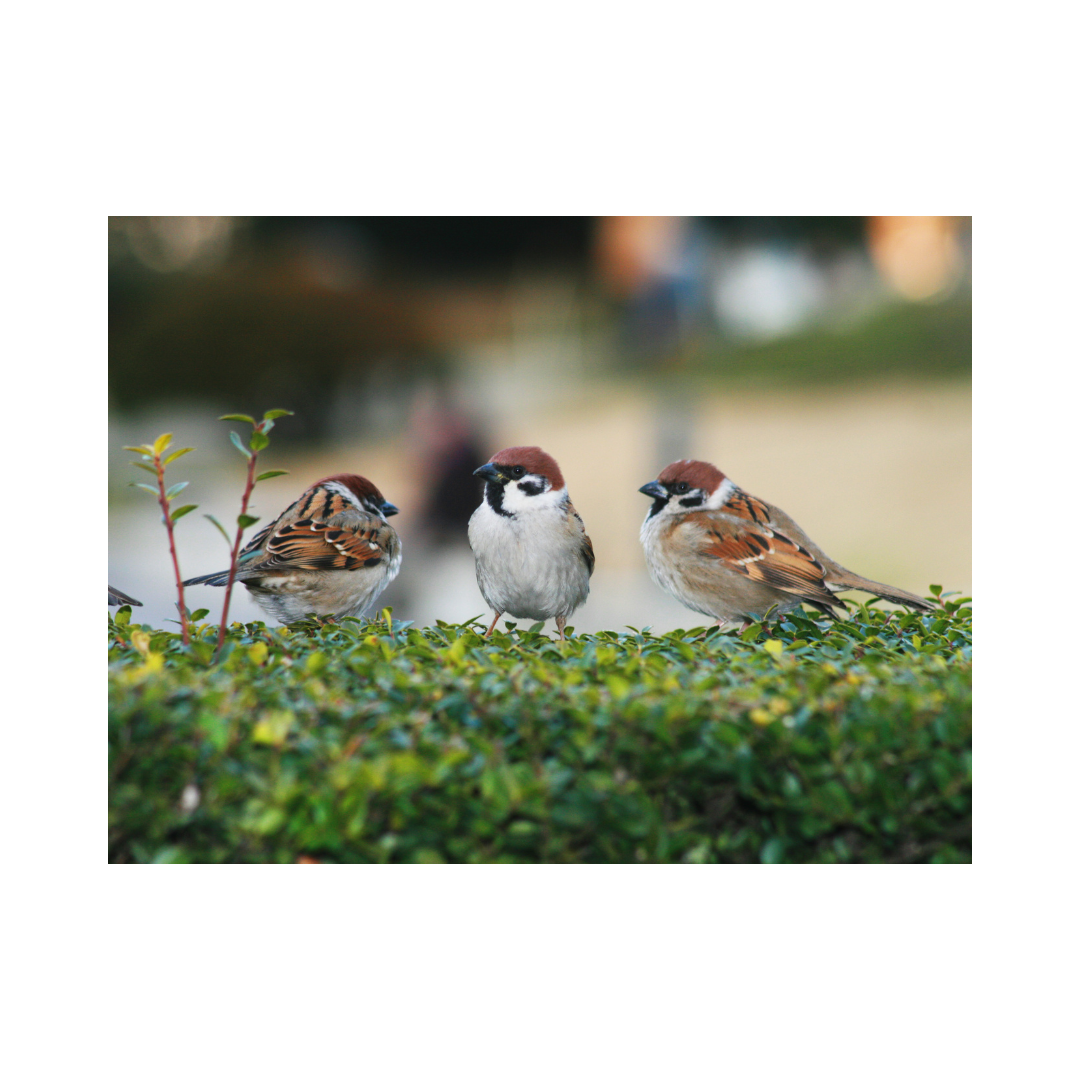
[
  {"x": 164, "y": 504},
  {"x": 236, "y": 550}
]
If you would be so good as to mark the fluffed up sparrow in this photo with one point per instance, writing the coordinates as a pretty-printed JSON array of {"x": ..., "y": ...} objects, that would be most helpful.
[
  {"x": 118, "y": 599},
  {"x": 330, "y": 554},
  {"x": 533, "y": 559},
  {"x": 731, "y": 556}
]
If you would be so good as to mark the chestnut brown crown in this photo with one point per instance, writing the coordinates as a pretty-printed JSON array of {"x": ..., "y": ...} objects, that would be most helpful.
[
  {"x": 360, "y": 486},
  {"x": 698, "y": 474},
  {"x": 532, "y": 459}
]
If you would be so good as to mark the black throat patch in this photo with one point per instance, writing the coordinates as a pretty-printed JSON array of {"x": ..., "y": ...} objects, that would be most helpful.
[
  {"x": 493, "y": 494},
  {"x": 657, "y": 506}
]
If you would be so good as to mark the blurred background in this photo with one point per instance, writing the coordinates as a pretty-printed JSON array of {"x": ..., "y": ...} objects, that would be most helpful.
[{"x": 824, "y": 364}]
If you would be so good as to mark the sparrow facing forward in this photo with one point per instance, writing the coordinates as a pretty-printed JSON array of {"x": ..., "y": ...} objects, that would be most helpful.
[
  {"x": 118, "y": 599},
  {"x": 533, "y": 559},
  {"x": 331, "y": 553},
  {"x": 729, "y": 555}
]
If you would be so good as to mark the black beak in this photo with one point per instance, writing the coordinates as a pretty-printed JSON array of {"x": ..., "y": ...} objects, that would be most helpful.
[
  {"x": 655, "y": 490},
  {"x": 490, "y": 472},
  {"x": 389, "y": 509}
]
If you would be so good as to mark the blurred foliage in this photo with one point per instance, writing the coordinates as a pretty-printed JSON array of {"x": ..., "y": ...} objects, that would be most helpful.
[
  {"x": 257, "y": 338},
  {"x": 807, "y": 741},
  {"x": 902, "y": 341}
]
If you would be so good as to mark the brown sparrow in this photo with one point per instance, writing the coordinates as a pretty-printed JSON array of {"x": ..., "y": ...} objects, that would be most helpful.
[
  {"x": 330, "y": 554},
  {"x": 118, "y": 599},
  {"x": 730, "y": 555},
  {"x": 533, "y": 559}
]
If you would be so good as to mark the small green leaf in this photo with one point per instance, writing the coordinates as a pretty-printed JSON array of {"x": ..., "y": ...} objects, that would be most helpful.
[
  {"x": 146, "y": 487},
  {"x": 244, "y": 520},
  {"x": 237, "y": 442},
  {"x": 238, "y": 416},
  {"x": 259, "y": 441},
  {"x": 147, "y": 451},
  {"x": 220, "y": 528},
  {"x": 178, "y": 514},
  {"x": 199, "y": 613},
  {"x": 935, "y": 590},
  {"x": 773, "y": 850},
  {"x": 161, "y": 443},
  {"x": 142, "y": 465},
  {"x": 273, "y": 414},
  {"x": 177, "y": 453},
  {"x": 271, "y": 474},
  {"x": 176, "y": 489}
]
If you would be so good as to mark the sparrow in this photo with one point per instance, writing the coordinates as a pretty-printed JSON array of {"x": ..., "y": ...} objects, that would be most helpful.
[
  {"x": 730, "y": 555},
  {"x": 118, "y": 599},
  {"x": 330, "y": 554},
  {"x": 533, "y": 558}
]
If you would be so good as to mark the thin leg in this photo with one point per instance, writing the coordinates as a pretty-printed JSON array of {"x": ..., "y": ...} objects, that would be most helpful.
[
  {"x": 560, "y": 622},
  {"x": 491, "y": 628}
]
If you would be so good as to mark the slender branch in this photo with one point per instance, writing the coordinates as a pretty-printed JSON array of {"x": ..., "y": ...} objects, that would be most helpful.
[
  {"x": 163, "y": 502},
  {"x": 249, "y": 487}
]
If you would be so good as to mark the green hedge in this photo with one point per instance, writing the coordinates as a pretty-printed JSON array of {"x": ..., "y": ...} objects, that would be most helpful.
[{"x": 810, "y": 741}]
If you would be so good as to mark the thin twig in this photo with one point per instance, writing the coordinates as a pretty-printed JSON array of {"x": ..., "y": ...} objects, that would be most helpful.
[
  {"x": 249, "y": 487},
  {"x": 163, "y": 502}
]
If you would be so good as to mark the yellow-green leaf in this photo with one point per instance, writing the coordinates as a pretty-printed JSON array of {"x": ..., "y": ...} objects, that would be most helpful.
[
  {"x": 161, "y": 444},
  {"x": 273, "y": 727}
]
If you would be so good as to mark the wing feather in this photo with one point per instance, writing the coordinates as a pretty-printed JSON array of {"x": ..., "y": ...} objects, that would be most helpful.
[{"x": 761, "y": 554}]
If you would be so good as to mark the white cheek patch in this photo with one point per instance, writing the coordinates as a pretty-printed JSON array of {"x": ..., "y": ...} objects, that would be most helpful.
[
  {"x": 721, "y": 495},
  {"x": 516, "y": 501}
]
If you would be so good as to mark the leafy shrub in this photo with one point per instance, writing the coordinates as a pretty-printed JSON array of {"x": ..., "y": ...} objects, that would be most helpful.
[{"x": 809, "y": 741}]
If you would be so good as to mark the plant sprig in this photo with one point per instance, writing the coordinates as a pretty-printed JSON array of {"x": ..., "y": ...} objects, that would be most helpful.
[
  {"x": 258, "y": 442},
  {"x": 152, "y": 461}
]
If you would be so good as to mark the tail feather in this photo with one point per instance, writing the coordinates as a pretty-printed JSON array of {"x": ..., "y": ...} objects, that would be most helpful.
[
  {"x": 886, "y": 592},
  {"x": 118, "y": 599},
  {"x": 219, "y": 578}
]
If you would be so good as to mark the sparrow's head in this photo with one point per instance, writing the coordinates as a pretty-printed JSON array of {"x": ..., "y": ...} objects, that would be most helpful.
[
  {"x": 361, "y": 492},
  {"x": 522, "y": 478},
  {"x": 687, "y": 485}
]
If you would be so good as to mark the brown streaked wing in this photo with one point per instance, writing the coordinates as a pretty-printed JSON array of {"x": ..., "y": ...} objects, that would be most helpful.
[
  {"x": 315, "y": 545},
  {"x": 587, "y": 552},
  {"x": 763, "y": 555}
]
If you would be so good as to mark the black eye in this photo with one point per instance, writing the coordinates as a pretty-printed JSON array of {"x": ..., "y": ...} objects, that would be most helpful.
[
  {"x": 517, "y": 472},
  {"x": 682, "y": 488}
]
